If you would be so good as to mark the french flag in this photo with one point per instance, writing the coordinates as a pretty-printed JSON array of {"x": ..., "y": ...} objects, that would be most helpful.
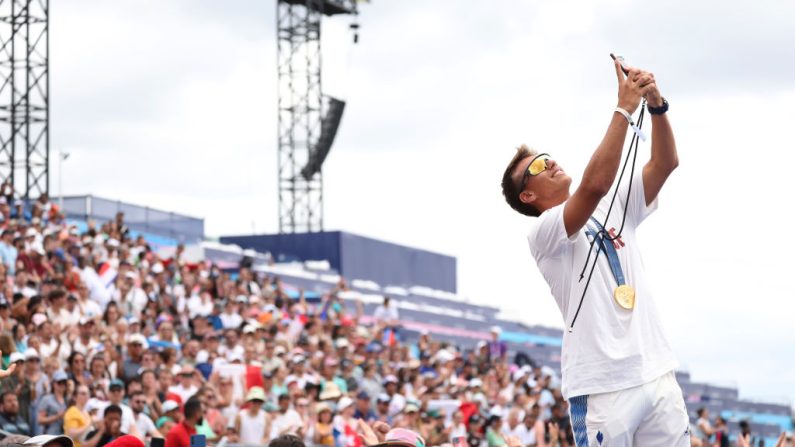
[{"x": 107, "y": 274}]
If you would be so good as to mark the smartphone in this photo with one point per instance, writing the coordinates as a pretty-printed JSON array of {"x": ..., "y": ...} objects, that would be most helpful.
[
  {"x": 198, "y": 441},
  {"x": 621, "y": 61},
  {"x": 157, "y": 442},
  {"x": 460, "y": 441}
]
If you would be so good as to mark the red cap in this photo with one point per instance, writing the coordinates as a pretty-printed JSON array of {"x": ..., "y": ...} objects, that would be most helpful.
[{"x": 125, "y": 441}]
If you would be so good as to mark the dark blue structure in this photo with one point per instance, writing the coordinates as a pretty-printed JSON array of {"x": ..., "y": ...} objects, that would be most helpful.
[{"x": 359, "y": 257}]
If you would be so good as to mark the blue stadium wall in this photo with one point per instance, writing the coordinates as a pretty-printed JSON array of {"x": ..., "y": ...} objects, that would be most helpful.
[{"x": 358, "y": 257}]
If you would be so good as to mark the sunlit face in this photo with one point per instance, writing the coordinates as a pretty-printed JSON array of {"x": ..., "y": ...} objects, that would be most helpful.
[{"x": 541, "y": 180}]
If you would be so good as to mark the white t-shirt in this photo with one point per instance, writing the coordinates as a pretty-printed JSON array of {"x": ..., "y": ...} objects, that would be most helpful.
[
  {"x": 282, "y": 421},
  {"x": 386, "y": 313},
  {"x": 529, "y": 436},
  {"x": 231, "y": 321},
  {"x": 610, "y": 348},
  {"x": 144, "y": 425}
]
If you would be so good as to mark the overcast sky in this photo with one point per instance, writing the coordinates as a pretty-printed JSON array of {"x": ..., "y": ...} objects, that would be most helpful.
[{"x": 172, "y": 104}]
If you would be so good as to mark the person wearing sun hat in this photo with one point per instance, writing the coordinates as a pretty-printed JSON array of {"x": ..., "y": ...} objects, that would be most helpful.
[
  {"x": 253, "y": 425},
  {"x": 324, "y": 432}
]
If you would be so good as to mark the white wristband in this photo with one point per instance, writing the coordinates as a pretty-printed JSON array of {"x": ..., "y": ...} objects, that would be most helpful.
[{"x": 635, "y": 128}]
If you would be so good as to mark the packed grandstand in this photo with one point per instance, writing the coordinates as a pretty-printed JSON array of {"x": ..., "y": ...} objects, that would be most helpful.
[{"x": 111, "y": 326}]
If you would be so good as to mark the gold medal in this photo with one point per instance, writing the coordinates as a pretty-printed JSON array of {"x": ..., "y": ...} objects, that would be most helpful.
[{"x": 625, "y": 296}]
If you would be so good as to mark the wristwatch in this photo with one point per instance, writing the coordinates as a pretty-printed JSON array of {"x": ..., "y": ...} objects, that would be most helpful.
[{"x": 658, "y": 110}]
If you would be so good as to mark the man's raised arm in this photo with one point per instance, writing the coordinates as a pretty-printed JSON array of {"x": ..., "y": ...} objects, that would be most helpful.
[
  {"x": 601, "y": 170},
  {"x": 664, "y": 158}
]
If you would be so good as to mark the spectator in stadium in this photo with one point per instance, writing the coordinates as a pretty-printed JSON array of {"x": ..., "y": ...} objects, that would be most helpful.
[
  {"x": 252, "y": 426},
  {"x": 100, "y": 376},
  {"x": 52, "y": 406},
  {"x": 494, "y": 436},
  {"x": 744, "y": 439},
  {"x": 386, "y": 314},
  {"x": 323, "y": 433},
  {"x": 10, "y": 419},
  {"x": 77, "y": 420},
  {"x": 186, "y": 388},
  {"x": 364, "y": 407},
  {"x": 286, "y": 420},
  {"x": 108, "y": 430},
  {"x": 179, "y": 435},
  {"x": 116, "y": 393},
  {"x": 560, "y": 419},
  {"x": 704, "y": 430},
  {"x": 531, "y": 431},
  {"x": 8, "y": 253},
  {"x": 721, "y": 433},
  {"x": 136, "y": 343},
  {"x": 170, "y": 416},
  {"x": 21, "y": 387},
  {"x": 476, "y": 435},
  {"x": 497, "y": 349},
  {"x": 143, "y": 423},
  {"x": 76, "y": 369}
]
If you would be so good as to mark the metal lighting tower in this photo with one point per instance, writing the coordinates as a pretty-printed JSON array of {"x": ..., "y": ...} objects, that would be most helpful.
[
  {"x": 25, "y": 96},
  {"x": 301, "y": 109}
]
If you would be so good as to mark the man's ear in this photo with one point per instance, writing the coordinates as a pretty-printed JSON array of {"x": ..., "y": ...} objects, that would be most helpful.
[{"x": 527, "y": 197}]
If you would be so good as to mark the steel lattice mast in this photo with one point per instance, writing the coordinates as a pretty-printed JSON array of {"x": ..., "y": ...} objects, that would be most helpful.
[
  {"x": 24, "y": 96},
  {"x": 301, "y": 108}
]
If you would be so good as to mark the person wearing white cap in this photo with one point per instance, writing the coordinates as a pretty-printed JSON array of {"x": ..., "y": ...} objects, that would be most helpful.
[{"x": 253, "y": 425}]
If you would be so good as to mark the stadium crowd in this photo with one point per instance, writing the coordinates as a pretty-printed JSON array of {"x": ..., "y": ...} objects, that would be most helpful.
[{"x": 101, "y": 337}]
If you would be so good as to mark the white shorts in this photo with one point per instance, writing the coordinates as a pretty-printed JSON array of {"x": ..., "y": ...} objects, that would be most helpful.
[{"x": 649, "y": 415}]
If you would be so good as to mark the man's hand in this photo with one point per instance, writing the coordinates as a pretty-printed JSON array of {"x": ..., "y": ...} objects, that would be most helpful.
[{"x": 633, "y": 87}]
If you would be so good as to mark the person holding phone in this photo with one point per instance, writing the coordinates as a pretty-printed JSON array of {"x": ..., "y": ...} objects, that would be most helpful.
[{"x": 616, "y": 361}]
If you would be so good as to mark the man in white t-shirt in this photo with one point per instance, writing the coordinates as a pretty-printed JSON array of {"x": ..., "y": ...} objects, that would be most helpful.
[
  {"x": 146, "y": 428},
  {"x": 616, "y": 362},
  {"x": 386, "y": 314}
]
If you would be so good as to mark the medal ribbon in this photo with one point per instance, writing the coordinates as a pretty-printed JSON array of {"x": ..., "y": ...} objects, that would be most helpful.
[{"x": 608, "y": 248}]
